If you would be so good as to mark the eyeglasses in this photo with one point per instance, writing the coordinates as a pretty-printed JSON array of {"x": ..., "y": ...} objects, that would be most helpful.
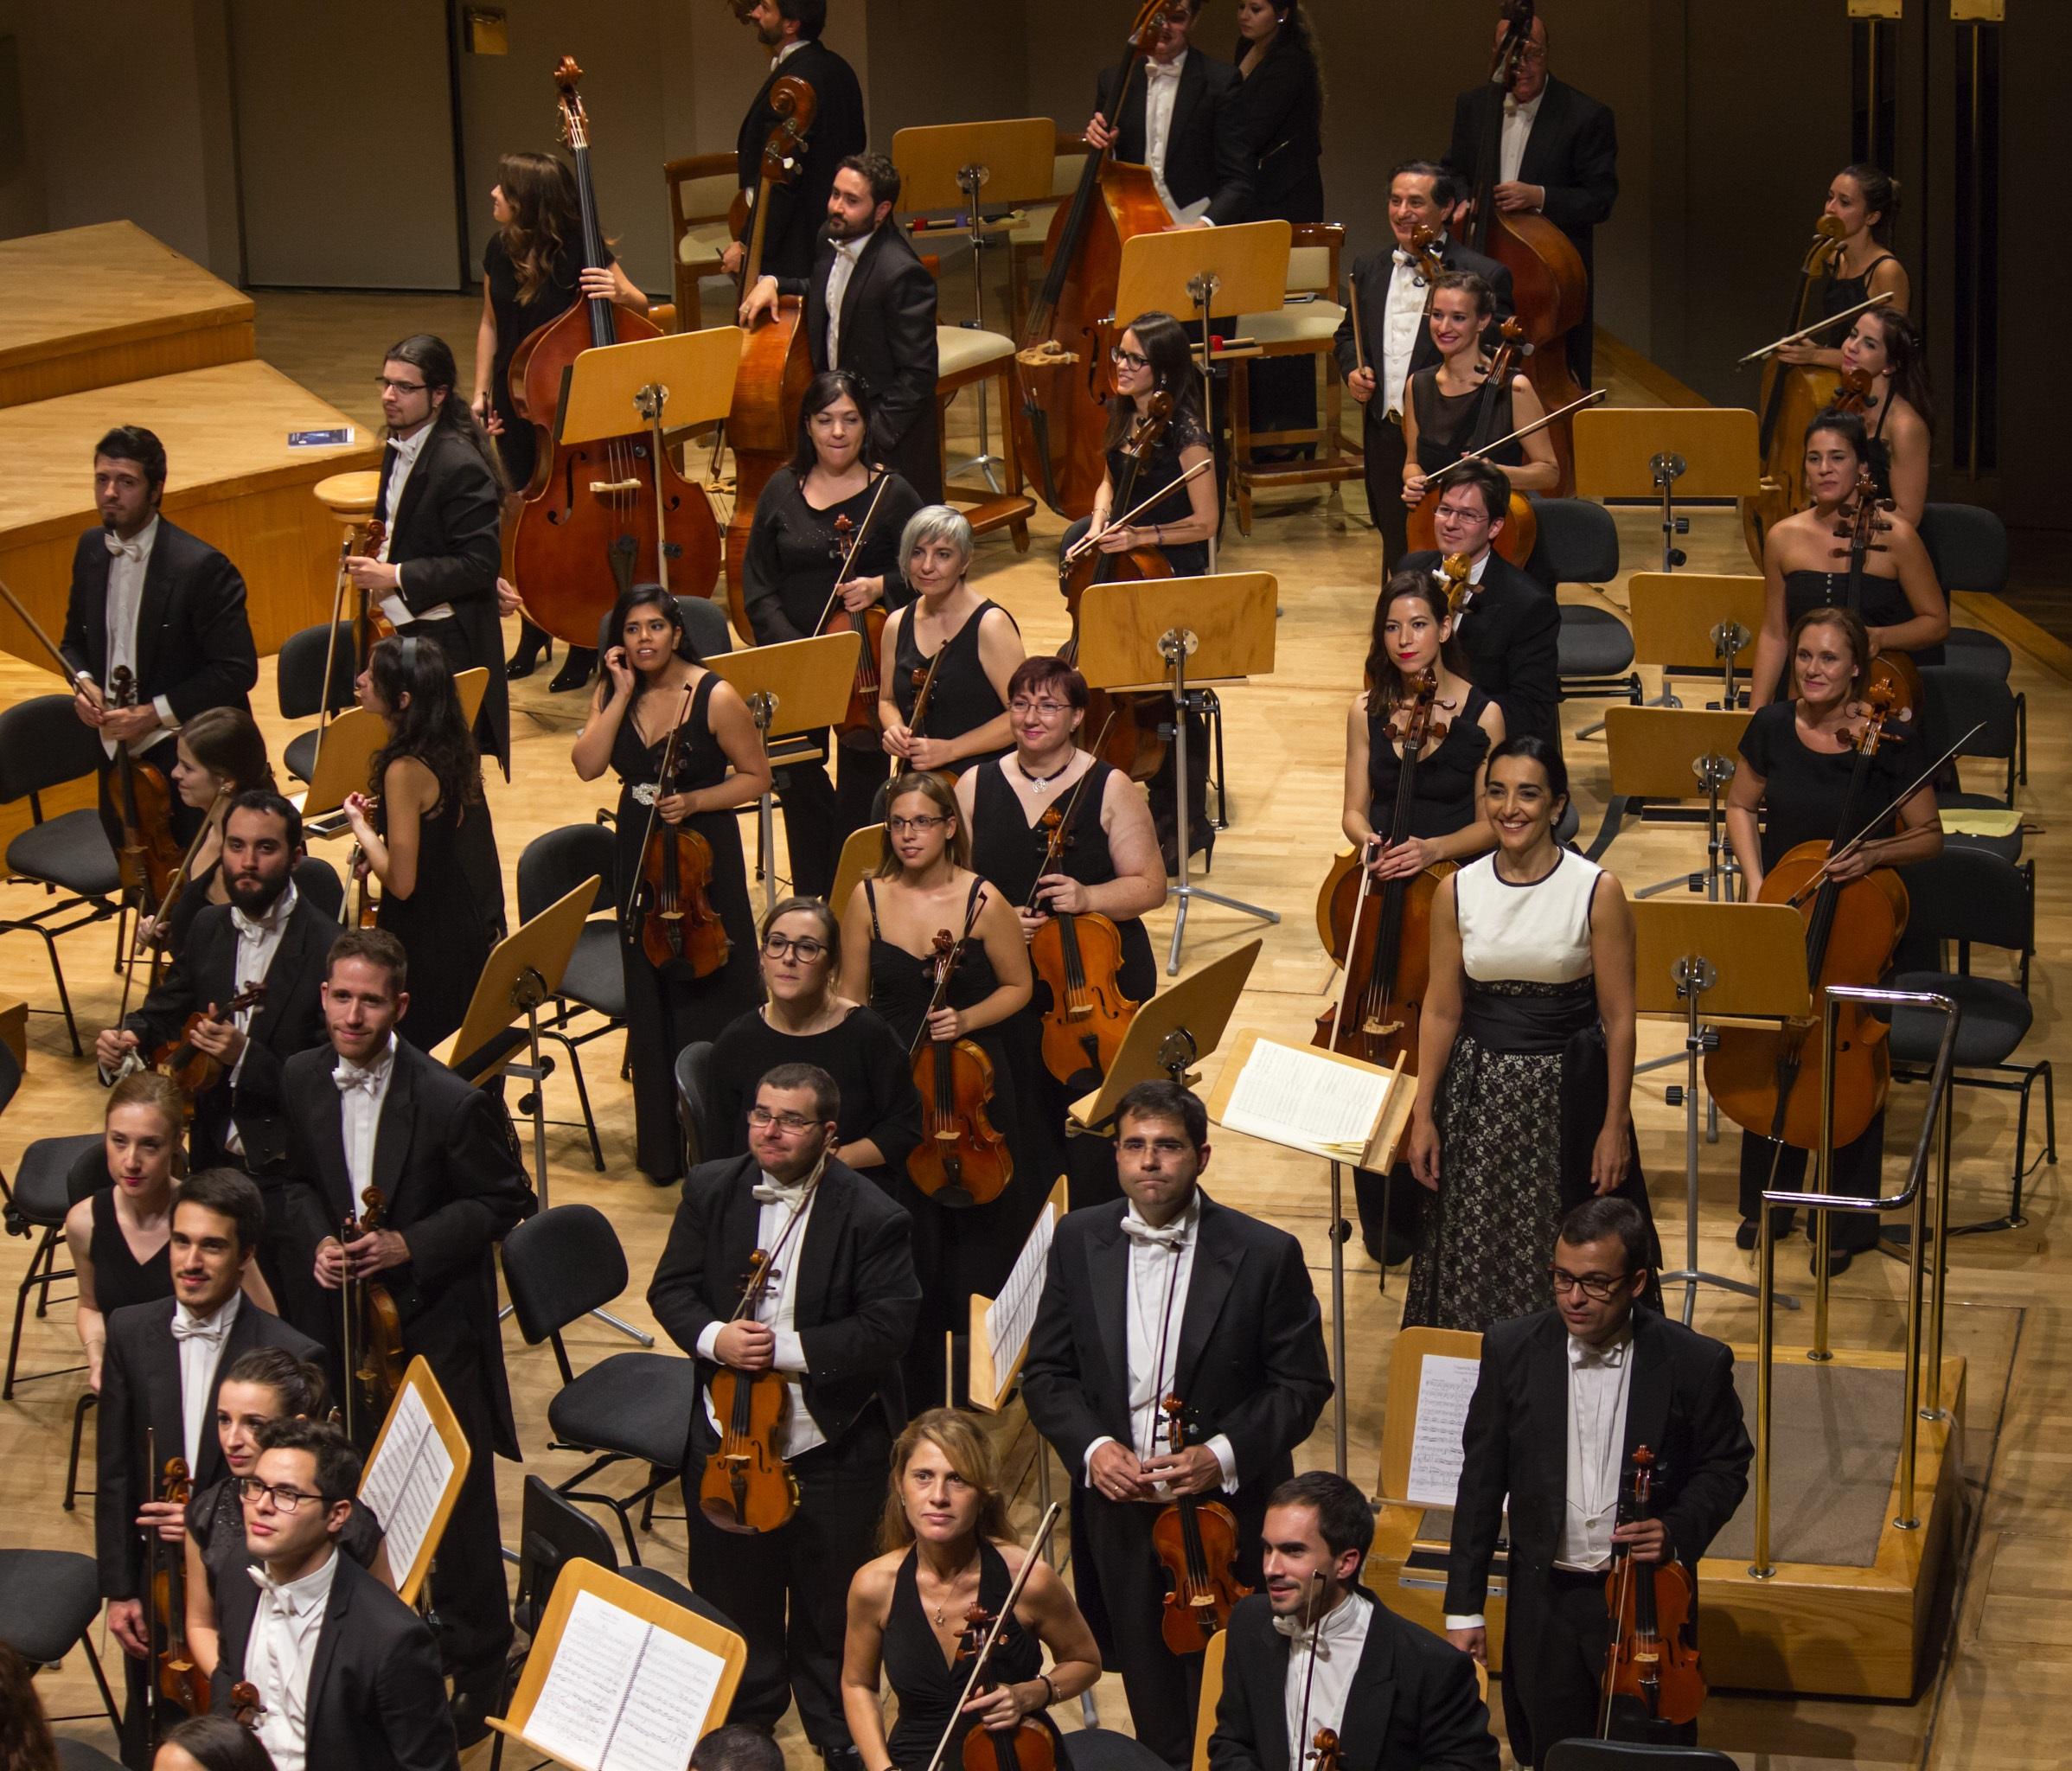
[
  {"x": 804, "y": 948},
  {"x": 762, "y": 1118},
  {"x": 1050, "y": 710},
  {"x": 1594, "y": 1286},
  {"x": 899, "y": 827},
  {"x": 1127, "y": 359},
  {"x": 284, "y": 1499},
  {"x": 1138, "y": 1147},
  {"x": 389, "y": 386},
  {"x": 1533, "y": 55}
]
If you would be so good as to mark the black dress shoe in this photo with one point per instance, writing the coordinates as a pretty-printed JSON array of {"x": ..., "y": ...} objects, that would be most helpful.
[
  {"x": 534, "y": 643},
  {"x": 469, "y": 1712},
  {"x": 1838, "y": 1262},
  {"x": 575, "y": 669}
]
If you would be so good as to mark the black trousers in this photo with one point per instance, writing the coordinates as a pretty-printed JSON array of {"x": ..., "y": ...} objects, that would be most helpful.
[
  {"x": 1386, "y": 452},
  {"x": 821, "y": 814},
  {"x": 787, "y": 1591},
  {"x": 1857, "y": 1168},
  {"x": 1555, "y": 1637},
  {"x": 470, "y": 1600}
]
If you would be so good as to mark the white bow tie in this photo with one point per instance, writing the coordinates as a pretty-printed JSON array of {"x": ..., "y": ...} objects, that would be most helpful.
[
  {"x": 278, "y": 1594},
  {"x": 767, "y": 1193},
  {"x": 1162, "y": 70},
  {"x": 1600, "y": 1359},
  {"x": 190, "y": 1326},
  {"x": 1168, "y": 1236},
  {"x": 126, "y": 550},
  {"x": 349, "y": 1077},
  {"x": 255, "y": 927},
  {"x": 1512, "y": 106}
]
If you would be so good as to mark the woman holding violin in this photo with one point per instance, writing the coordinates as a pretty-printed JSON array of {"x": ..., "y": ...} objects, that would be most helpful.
[
  {"x": 220, "y": 754},
  {"x": 1902, "y": 606},
  {"x": 659, "y": 711},
  {"x": 1883, "y": 349},
  {"x": 950, "y": 1563},
  {"x": 1794, "y": 785},
  {"x": 1862, "y": 201},
  {"x": 1460, "y": 402},
  {"x": 824, "y": 554},
  {"x": 424, "y": 834}
]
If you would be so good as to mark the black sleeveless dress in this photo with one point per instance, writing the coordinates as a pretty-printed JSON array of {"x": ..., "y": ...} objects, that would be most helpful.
[
  {"x": 1839, "y": 294},
  {"x": 216, "y": 1520},
  {"x": 1443, "y": 791},
  {"x": 928, "y": 1685},
  {"x": 1884, "y": 605},
  {"x": 449, "y": 924},
  {"x": 1161, "y": 467},
  {"x": 1449, "y": 424},
  {"x": 964, "y": 698},
  {"x": 119, "y": 1278}
]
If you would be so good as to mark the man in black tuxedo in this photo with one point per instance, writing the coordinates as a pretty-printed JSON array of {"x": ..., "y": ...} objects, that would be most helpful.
[
  {"x": 1178, "y": 118},
  {"x": 1557, "y": 154},
  {"x": 347, "y": 1674},
  {"x": 1397, "y": 1696},
  {"x": 1167, "y": 1293},
  {"x": 790, "y": 30},
  {"x": 364, "y": 1109},
  {"x": 1391, "y": 296},
  {"x": 441, "y": 503},
  {"x": 870, "y": 308},
  {"x": 150, "y": 597},
  {"x": 1599, "y": 1376},
  {"x": 158, "y": 1379},
  {"x": 833, "y": 1323}
]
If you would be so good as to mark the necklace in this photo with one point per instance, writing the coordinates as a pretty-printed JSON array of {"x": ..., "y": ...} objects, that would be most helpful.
[
  {"x": 940, "y": 1612},
  {"x": 1021, "y": 769}
]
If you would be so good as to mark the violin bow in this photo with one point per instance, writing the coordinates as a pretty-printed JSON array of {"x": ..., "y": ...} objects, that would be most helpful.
[
  {"x": 945, "y": 968},
  {"x": 1301, "y": 1756},
  {"x": 984, "y": 1653},
  {"x": 64, "y": 664},
  {"x": 1862, "y": 836},
  {"x": 752, "y": 1291},
  {"x": 173, "y": 888},
  {"x": 669, "y": 761},
  {"x": 1054, "y": 846},
  {"x": 855, "y": 542},
  {"x": 1538, "y": 423},
  {"x": 1087, "y": 541},
  {"x": 1806, "y": 332}
]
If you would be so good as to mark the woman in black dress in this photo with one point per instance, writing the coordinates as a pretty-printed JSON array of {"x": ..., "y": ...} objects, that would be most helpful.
[
  {"x": 806, "y": 520},
  {"x": 221, "y": 753},
  {"x": 1864, "y": 199},
  {"x": 948, "y": 1547},
  {"x": 531, "y": 275},
  {"x": 1903, "y": 606},
  {"x": 654, "y": 685},
  {"x": 1901, "y": 416},
  {"x": 423, "y": 832},
  {"x": 965, "y": 722},
  {"x": 1791, "y": 786},
  {"x": 1454, "y": 407}
]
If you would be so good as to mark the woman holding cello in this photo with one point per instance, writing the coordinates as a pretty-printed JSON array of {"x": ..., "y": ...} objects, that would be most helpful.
[
  {"x": 824, "y": 551},
  {"x": 949, "y": 1560},
  {"x": 1793, "y": 785},
  {"x": 657, "y": 704},
  {"x": 1897, "y": 410},
  {"x": 1455, "y": 406},
  {"x": 1862, "y": 201}
]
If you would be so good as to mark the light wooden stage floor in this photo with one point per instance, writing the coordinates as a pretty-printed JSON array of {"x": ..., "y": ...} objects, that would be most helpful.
[{"x": 1990, "y": 1698}]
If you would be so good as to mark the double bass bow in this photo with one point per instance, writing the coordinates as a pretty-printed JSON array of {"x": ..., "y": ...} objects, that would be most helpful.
[
  {"x": 1650, "y": 1663},
  {"x": 1197, "y": 1542},
  {"x": 1027, "y": 1746},
  {"x": 669, "y": 913},
  {"x": 961, "y": 1159},
  {"x": 870, "y": 622}
]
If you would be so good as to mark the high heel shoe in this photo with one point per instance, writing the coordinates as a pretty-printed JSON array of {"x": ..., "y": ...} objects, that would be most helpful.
[
  {"x": 534, "y": 643},
  {"x": 575, "y": 669}
]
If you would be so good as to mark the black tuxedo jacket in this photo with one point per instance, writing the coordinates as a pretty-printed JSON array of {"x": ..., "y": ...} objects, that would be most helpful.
[
  {"x": 376, "y": 1701},
  {"x": 1573, "y": 152},
  {"x": 289, "y": 1021},
  {"x": 1251, "y": 1361},
  {"x": 1371, "y": 278},
  {"x": 140, "y": 1387},
  {"x": 194, "y": 640},
  {"x": 1680, "y": 1404},
  {"x": 798, "y": 212},
  {"x": 448, "y": 532},
  {"x": 888, "y": 337},
  {"x": 855, "y": 1303},
  {"x": 452, "y": 1190},
  {"x": 1414, "y": 1705},
  {"x": 1205, "y": 154},
  {"x": 1512, "y": 634}
]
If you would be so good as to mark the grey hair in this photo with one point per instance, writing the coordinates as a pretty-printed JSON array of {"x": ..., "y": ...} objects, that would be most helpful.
[{"x": 936, "y": 522}]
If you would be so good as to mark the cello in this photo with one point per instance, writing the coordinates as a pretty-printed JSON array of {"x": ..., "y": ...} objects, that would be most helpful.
[
  {"x": 961, "y": 1159},
  {"x": 1060, "y": 413},
  {"x": 1862, "y": 522},
  {"x": 1650, "y": 1663},
  {"x": 605, "y": 515},
  {"x": 1197, "y": 1541},
  {"x": 1789, "y": 398},
  {"x": 669, "y": 913},
  {"x": 374, "y": 1360}
]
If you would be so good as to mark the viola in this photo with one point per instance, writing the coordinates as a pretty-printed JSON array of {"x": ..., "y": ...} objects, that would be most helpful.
[
  {"x": 1862, "y": 521},
  {"x": 1077, "y": 956},
  {"x": 245, "y": 1709},
  {"x": 674, "y": 922},
  {"x": 150, "y": 855},
  {"x": 1028, "y": 1745},
  {"x": 179, "y": 1680},
  {"x": 1521, "y": 533},
  {"x": 1197, "y": 1542},
  {"x": 1791, "y": 395},
  {"x": 374, "y": 1360},
  {"x": 193, "y": 1070},
  {"x": 863, "y": 696},
  {"x": 747, "y": 1486},
  {"x": 1651, "y": 1663},
  {"x": 602, "y": 515},
  {"x": 961, "y": 1160}
]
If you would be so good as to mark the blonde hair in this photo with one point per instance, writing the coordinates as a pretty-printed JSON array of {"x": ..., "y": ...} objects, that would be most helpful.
[
  {"x": 939, "y": 794},
  {"x": 969, "y": 1455},
  {"x": 147, "y": 1087}
]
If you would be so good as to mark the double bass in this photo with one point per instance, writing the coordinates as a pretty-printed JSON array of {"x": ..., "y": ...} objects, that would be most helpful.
[
  {"x": 1077, "y": 955},
  {"x": 1791, "y": 395},
  {"x": 961, "y": 1159},
  {"x": 1197, "y": 1542},
  {"x": 602, "y": 515},
  {"x": 1651, "y": 1666}
]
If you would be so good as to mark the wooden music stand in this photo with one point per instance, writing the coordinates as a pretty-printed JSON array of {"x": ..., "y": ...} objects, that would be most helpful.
[
  {"x": 351, "y": 741},
  {"x": 1697, "y": 623},
  {"x": 1712, "y": 962},
  {"x": 860, "y": 854},
  {"x": 797, "y": 685},
  {"x": 1635, "y": 454},
  {"x": 1171, "y": 1033},
  {"x": 999, "y": 1336},
  {"x": 403, "y": 1483},
  {"x": 1677, "y": 753},
  {"x": 1164, "y": 631}
]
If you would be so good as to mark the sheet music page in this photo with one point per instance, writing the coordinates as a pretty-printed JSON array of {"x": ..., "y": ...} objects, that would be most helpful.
[
  {"x": 665, "y": 1708},
  {"x": 1011, "y": 1315},
  {"x": 1445, "y": 1386},
  {"x": 1290, "y": 1095},
  {"x": 381, "y": 1484},
  {"x": 594, "y": 1664}
]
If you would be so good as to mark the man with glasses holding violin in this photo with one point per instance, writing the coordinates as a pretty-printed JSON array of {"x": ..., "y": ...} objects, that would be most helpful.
[{"x": 1598, "y": 1374}]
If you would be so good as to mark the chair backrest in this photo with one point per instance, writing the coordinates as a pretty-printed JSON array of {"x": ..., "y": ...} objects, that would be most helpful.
[
  {"x": 555, "y": 862},
  {"x": 1578, "y": 543},
  {"x": 1313, "y": 256},
  {"x": 43, "y": 744},
  {"x": 1211, "y": 1695},
  {"x": 1067, "y": 164},
  {"x": 701, "y": 189},
  {"x": 1968, "y": 895},
  {"x": 693, "y": 1099},
  {"x": 704, "y": 626},
  {"x": 1961, "y": 699},
  {"x": 553, "y": 1532},
  {"x": 298, "y": 671},
  {"x": 317, "y": 880},
  {"x": 1968, "y": 547},
  {"x": 1630, "y": 1755},
  {"x": 560, "y": 1265}
]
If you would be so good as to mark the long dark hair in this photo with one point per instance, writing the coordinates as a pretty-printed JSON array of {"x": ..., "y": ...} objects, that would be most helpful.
[
  {"x": 298, "y": 1385},
  {"x": 1165, "y": 343},
  {"x": 25, "y": 1740},
  {"x": 1300, "y": 34},
  {"x": 541, "y": 191},
  {"x": 1909, "y": 365},
  {"x": 1532, "y": 748},
  {"x": 1846, "y": 425},
  {"x": 431, "y": 727},
  {"x": 1385, "y": 681},
  {"x": 822, "y": 392},
  {"x": 433, "y": 358},
  {"x": 218, "y": 1743},
  {"x": 644, "y": 596}
]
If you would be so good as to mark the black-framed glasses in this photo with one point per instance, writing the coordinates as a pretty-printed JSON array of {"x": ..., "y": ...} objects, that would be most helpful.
[
  {"x": 1127, "y": 359},
  {"x": 927, "y": 821},
  {"x": 389, "y": 386},
  {"x": 1596, "y": 1286},
  {"x": 762, "y": 1118},
  {"x": 803, "y": 948},
  {"x": 285, "y": 1500}
]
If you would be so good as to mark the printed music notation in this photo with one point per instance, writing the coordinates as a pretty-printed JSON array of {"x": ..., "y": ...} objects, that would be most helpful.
[
  {"x": 407, "y": 1478},
  {"x": 623, "y": 1694},
  {"x": 1292, "y": 1095},
  {"x": 1011, "y": 1315},
  {"x": 1445, "y": 1387}
]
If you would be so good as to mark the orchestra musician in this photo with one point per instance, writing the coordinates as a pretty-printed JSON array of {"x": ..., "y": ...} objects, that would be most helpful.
[
  {"x": 829, "y": 1327},
  {"x": 1506, "y": 622},
  {"x": 870, "y": 307},
  {"x": 1900, "y": 416},
  {"x": 441, "y": 503},
  {"x": 212, "y": 1743},
  {"x": 1623, "y": 1375},
  {"x": 1904, "y": 607},
  {"x": 1392, "y": 294},
  {"x": 653, "y": 684},
  {"x": 195, "y": 652},
  {"x": 790, "y": 30},
  {"x": 1180, "y": 120},
  {"x": 1864, "y": 199},
  {"x": 347, "y": 1674},
  {"x": 219, "y": 754},
  {"x": 160, "y": 1373},
  {"x": 1318, "y": 1650},
  {"x": 1166, "y": 1293},
  {"x": 949, "y": 1547},
  {"x": 369, "y": 1109},
  {"x": 1558, "y": 156},
  {"x": 789, "y": 569},
  {"x": 533, "y": 273},
  {"x": 425, "y": 834},
  {"x": 1454, "y": 407}
]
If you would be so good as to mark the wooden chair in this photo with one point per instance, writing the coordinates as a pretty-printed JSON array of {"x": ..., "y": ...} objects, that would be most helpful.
[
  {"x": 964, "y": 358},
  {"x": 1211, "y": 1694},
  {"x": 701, "y": 190}
]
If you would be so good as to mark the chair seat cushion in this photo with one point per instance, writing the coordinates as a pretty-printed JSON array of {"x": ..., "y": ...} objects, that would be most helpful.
[
  {"x": 1593, "y": 642},
  {"x": 961, "y": 349},
  {"x": 703, "y": 240},
  {"x": 71, "y": 852},
  {"x": 595, "y": 977},
  {"x": 1993, "y": 1017},
  {"x": 2008, "y": 847},
  {"x": 301, "y": 754},
  {"x": 42, "y": 1182},
  {"x": 1314, "y": 322},
  {"x": 49, "y": 1600},
  {"x": 1973, "y": 648},
  {"x": 637, "y": 1403}
]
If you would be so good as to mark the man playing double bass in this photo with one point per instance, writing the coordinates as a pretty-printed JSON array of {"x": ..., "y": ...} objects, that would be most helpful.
[{"x": 1178, "y": 118}]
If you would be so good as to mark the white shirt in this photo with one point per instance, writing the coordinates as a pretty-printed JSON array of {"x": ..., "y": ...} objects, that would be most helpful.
[
  {"x": 128, "y": 562},
  {"x": 199, "y": 1340},
  {"x": 407, "y": 449},
  {"x": 1401, "y": 325},
  {"x": 1517, "y": 127},
  {"x": 1161, "y": 92},
  {"x": 284, "y": 1632},
  {"x": 786, "y": 54},
  {"x": 1342, "y": 1639},
  {"x": 258, "y": 940},
  {"x": 797, "y": 1431},
  {"x": 361, "y": 1090},
  {"x": 847, "y": 253}
]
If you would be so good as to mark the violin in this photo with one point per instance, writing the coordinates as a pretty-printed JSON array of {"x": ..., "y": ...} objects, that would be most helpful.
[
  {"x": 1383, "y": 932},
  {"x": 193, "y": 1070},
  {"x": 374, "y": 1360},
  {"x": 179, "y": 1680},
  {"x": 1077, "y": 956},
  {"x": 747, "y": 1488},
  {"x": 1197, "y": 1541},
  {"x": 150, "y": 855},
  {"x": 1862, "y": 521},
  {"x": 961, "y": 1160},
  {"x": 670, "y": 914},
  {"x": 605, "y": 515},
  {"x": 1652, "y": 1662},
  {"x": 1027, "y": 1746},
  {"x": 863, "y": 695},
  {"x": 245, "y": 1709},
  {"x": 362, "y": 540},
  {"x": 1855, "y": 393},
  {"x": 1061, "y": 368},
  {"x": 1790, "y": 396}
]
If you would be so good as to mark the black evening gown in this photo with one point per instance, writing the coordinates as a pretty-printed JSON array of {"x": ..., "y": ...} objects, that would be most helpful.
[
  {"x": 119, "y": 1278},
  {"x": 964, "y": 697},
  {"x": 449, "y": 924}
]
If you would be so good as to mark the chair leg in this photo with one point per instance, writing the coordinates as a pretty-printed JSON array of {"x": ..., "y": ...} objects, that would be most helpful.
[
  {"x": 57, "y": 971},
  {"x": 87, "y": 1399},
  {"x": 589, "y": 1124},
  {"x": 46, "y": 1250},
  {"x": 100, "y": 1679}
]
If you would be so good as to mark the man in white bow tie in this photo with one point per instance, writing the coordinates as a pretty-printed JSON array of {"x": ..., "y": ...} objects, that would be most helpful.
[
  {"x": 1177, "y": 117},
  {"x": 1167, "y": 1310}
]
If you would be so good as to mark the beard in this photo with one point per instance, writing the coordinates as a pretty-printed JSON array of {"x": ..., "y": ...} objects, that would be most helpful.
[{"x": 255, "y": 896}]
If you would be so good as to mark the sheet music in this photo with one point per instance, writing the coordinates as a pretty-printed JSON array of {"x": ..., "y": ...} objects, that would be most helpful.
[
  {"x": 1011, "y": 1315},
  {"x": 1445, "y": 1386},
  {"x": 1290, "y": 1095},
  {"x": 623, "y": 1694},
  {"x": 405, "y": 1484}
]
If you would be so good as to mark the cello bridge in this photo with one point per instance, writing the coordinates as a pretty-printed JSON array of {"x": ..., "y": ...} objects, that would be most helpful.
[
  {"x": 1382, "y": 1029},
  {"x": 614, "y": 489},
  {"x": 1050, "y": 355}
]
